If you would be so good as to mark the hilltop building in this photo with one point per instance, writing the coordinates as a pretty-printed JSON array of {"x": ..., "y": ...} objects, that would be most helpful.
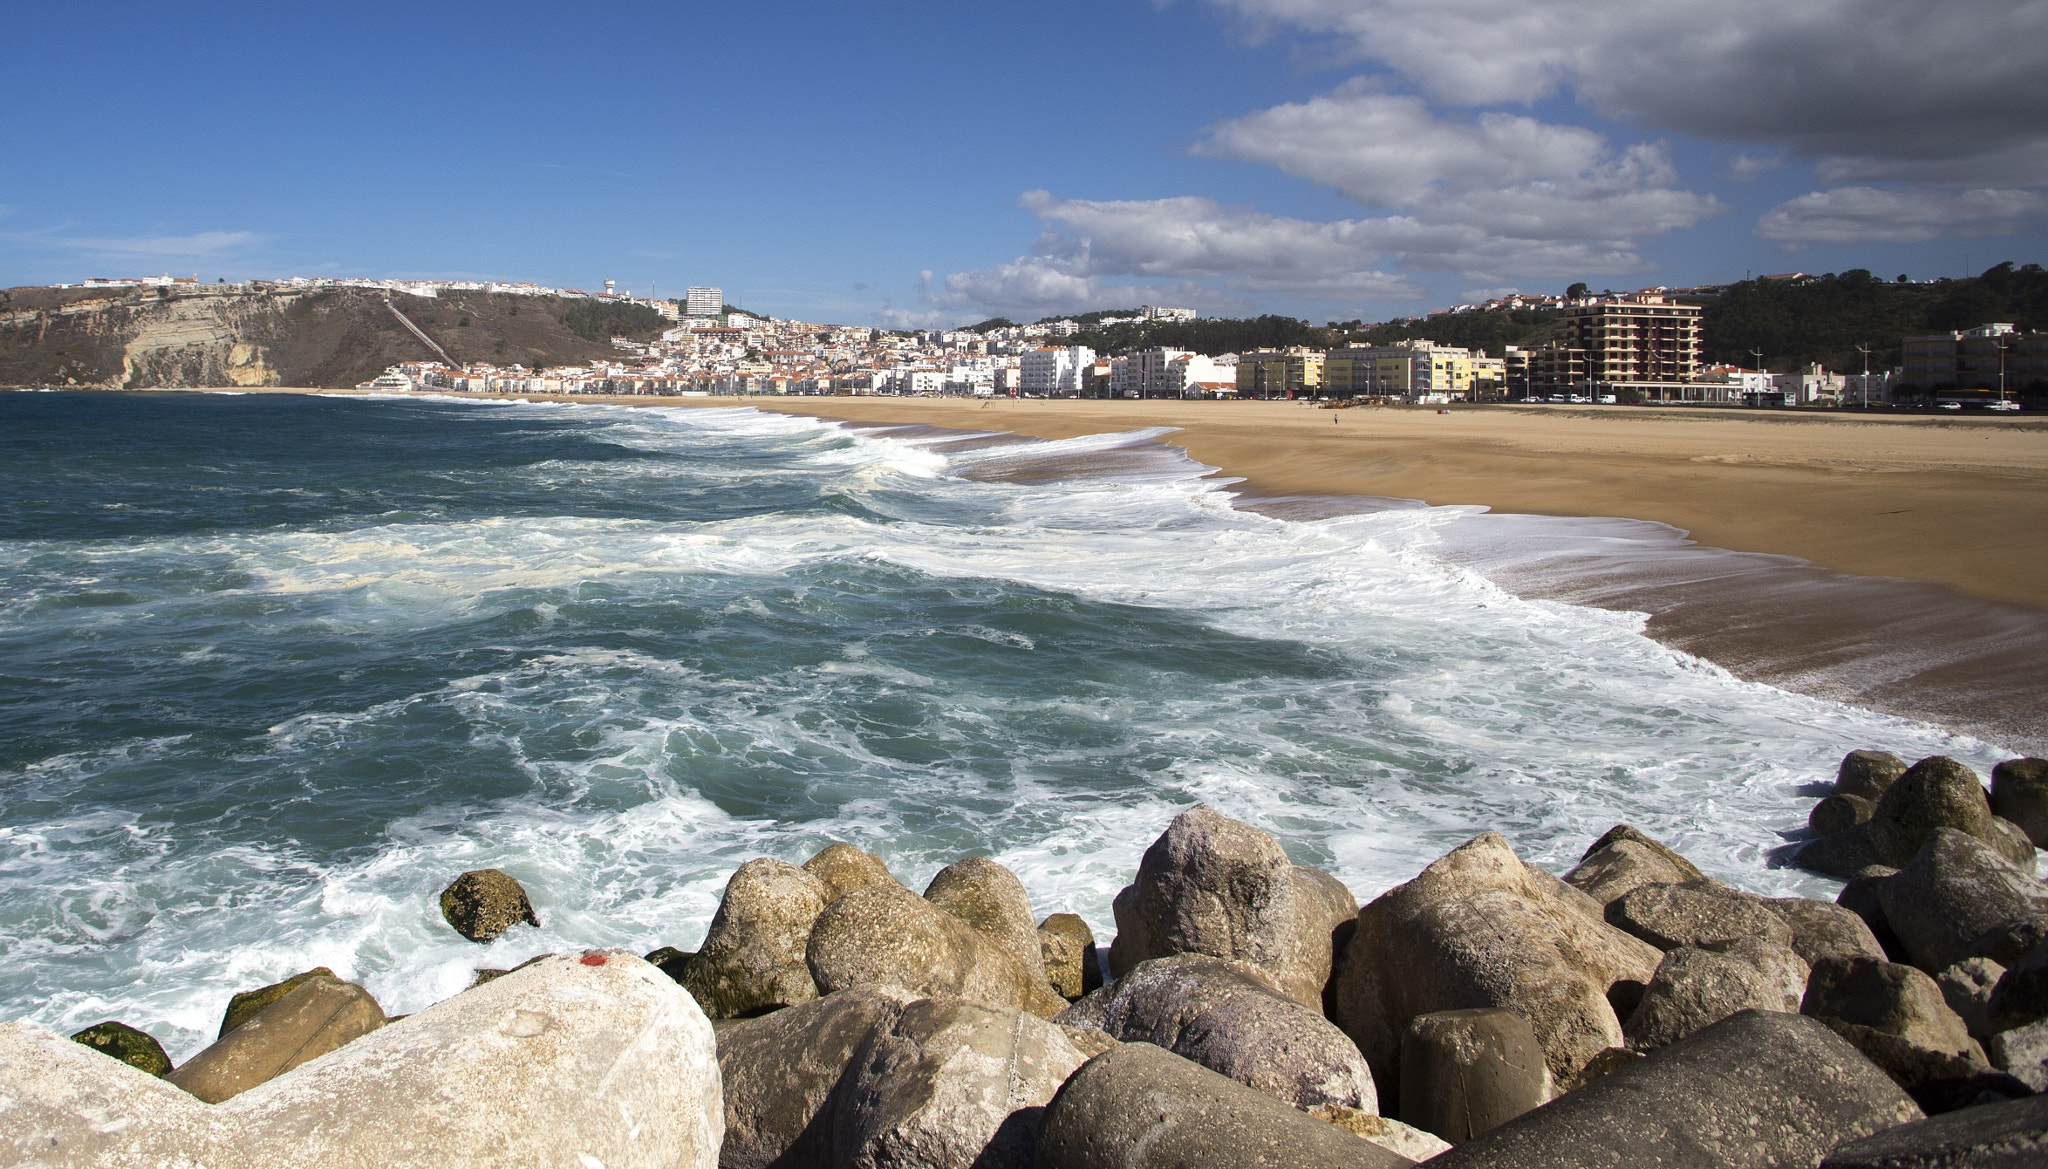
[{"x": 703, "y": 302}]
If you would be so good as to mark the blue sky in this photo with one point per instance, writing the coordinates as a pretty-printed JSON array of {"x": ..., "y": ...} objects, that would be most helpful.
[{"x": 912, "y": 164}]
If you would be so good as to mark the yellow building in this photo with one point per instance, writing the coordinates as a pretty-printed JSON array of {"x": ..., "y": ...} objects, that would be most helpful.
[
  {"x": 1280, "y": 373},
  {"x": 1404, "y": 369}
]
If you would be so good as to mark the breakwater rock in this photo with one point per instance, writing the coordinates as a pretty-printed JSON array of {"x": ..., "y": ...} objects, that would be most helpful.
[{"x": 1250, "y": 1012}]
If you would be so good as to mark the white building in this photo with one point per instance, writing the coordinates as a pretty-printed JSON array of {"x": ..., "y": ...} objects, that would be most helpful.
[
  {"x": 1053, "y": 373},
  {"x": 704, "y": 302},
  {"x": 1156, "y": 313}
]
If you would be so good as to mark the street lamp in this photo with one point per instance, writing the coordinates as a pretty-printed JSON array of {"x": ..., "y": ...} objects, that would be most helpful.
[
  {"x": 1865, "y": 351},
  {"x": 1759, "y": 355}
]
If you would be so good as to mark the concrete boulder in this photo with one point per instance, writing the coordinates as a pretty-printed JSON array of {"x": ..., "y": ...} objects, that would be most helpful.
[
  {"x": 1067, "y": 948},
  {"x": 1478, "y": 928},
  {"x": 1392, "y": 1135},
  {"x": 1935, "y": 793},
  {"x": 992, "y": 901},
  {"x": 2012, "y": 1135},
  {"x": 2022, "y": 1053},
  {"x": 1623, "y": 859},
  {"x": 132, "y": 1046},
  {"x": 569, "y": 1061},
  {"x": 1821, "y": 929},
  {"x": 1141, "y": 1107},
  {"x": 1216, "y": 886},
  {"x": 315, "y": 1017},
  {"x": 2021, "y": 994},
  {"x": 1232, "y": 1020},
  {"x": 883, "y": 933},
  {"x": 752, "y": 959},
  {"x": 484, "y": 903},
  {"x": 249, "y": 1003},
  {"x": 842, "y": 868},
  {"x": 1758, "y": 1089},
  {"x": 779, "y": 1071},
  {"x": 1954, "y": 891},
  {"x": 1866, "y": 774},
  {"x": 1839, "y": 813},
  {"x": 2009, "y": 942},
  {"x": 1700, "y": 914},
  {"x": 2019, "y": 793},
  {"x": 1467, "y": 1072},
  {"x": 1896, "y": 1016},
  {"x": 949, "y": 1084},
  {"x": 1966, "y": 987},
  {"x": 1694, "y": 989}
]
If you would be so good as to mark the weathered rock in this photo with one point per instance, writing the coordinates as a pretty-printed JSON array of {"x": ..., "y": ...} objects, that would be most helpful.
[
  {"x": 1866, "y": 774},
  {"x": 2021, "y": 995},
  {"x": 136, "y": 1048},
  {"x": 1888, "y": 997},
  {"x": 1613, "y": 1059},
  {"x": 248, "y": 1004},
  {"x": 842, "y": 868},
  {"x": 1935, "y": 793},
  {"x": 1392, "y": 1135},
  {"x": 1231, "y": 1019},
  {"x": 884, "y": 933},
  {"x": 1955, "y": 890},
  {"x": 779, "y": 1071},
  {"x": 484, "y": 903},
  {"x": 2019, "y": 793},
  {"x": 1480, "y": 929},
  {"x": 1087, "y": 1040},
  {"x": 1700, "y": 914},
  {"x": 318, "y": 1015},
  {"x": 1824, "y": 930},
  {"x": 1860, "y": 897},
  {"x": 1464, "y": 1072},
  {"x": 1783, "y": 967},
  {"x": 1938, "y": 1081},
  {"x": 1839, "y": 813},
  {"x": 1847, "y": 854},
  {"x": 1141, "y": 1107},
  {"x": 667, "y": 959},
  {"x": 2009, "y": 942},
  {"x": 2022, "y": 1053},
  {"x": 992, "y": 901},
  {"x": 2011, "y": 841},
  {"x": 1623, "y": 859},
  {"x": 1216, "y": 886},
  {"x": 1757, "y": 1089},
  {"x": 1966, "y": 988},
  {"x": 752, "y": 960},
  {"x": 1067, "y": 947},
  {"x": 1694, "y": 989},
  {"x": 949, "y": 1084},
  {"x": 2013, "y": 1135},
  {"x": 562, "y": 1060}
]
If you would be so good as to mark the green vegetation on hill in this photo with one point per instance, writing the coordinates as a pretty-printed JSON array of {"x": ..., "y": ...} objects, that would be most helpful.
[
  {"x": 1490, "y": 331},
  {"x": 1825, "y": 318},
  {"x": 600, "y": 320},
  {"x": 1209, "y": 336}
]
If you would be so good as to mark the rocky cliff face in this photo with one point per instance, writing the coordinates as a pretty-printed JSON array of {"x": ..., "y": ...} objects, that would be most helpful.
[{"x": 179, "y": 338}]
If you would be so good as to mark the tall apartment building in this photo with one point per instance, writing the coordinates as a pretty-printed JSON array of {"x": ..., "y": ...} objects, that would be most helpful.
[
  {"x": 1988, "y": 358},
  {"x": 1280, "y": 373},
  {"x": 704, "y": 302},
  {"x": 1144, "y": 374},
  {"x": 1053, "y": 373},
  {"x": 1640, "y": 342}
]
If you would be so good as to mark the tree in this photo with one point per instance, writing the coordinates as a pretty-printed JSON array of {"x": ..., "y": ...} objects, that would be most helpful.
[{"x": 1577, "y": 291}]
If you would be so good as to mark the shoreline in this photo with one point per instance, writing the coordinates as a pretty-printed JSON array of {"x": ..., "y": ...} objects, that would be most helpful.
[{"x": 1794, "y": 583}]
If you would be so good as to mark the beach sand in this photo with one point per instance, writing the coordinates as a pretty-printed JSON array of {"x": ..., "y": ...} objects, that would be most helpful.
[{"x": 1896, "y": 562}]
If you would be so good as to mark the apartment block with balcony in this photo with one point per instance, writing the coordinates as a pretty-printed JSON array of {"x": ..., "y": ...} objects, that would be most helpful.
[
  {"x": 1974, "y": 363},
  {"x": 1642, "y": 343},
  {"x": 1280, "y": 373}
]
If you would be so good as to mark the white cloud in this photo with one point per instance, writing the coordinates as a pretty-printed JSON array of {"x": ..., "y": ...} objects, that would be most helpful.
[
  {"x": 1746, "y": 167},
  {"x": 1871, "y": 215},
  {"x": 1870, "y": 88},
  {"x": 144, "y": 249}
]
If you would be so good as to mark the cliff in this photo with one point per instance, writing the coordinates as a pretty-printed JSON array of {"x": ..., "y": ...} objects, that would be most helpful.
[{"x": 276, "y": 336}]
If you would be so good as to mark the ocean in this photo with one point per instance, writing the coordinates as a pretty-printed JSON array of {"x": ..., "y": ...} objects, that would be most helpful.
[{"x": 274, "y": 669}]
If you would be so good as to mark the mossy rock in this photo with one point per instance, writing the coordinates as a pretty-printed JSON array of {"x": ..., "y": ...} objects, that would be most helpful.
[
  {"x": 250, "y": 1003},
  {"x": 484, "y": 903},
  {"x": 137, "y": 1049},
  {"x": 1937, "y": 792},
  {"x": 1622, "y": 832},
  {"x": 670, "y": 960}
]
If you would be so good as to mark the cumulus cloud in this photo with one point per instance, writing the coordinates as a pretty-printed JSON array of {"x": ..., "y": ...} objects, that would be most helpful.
[
  {"x": 1872, "y": 215},
  {"x": 1869, "y": 88},
  {"x": 144, "y": 249},
  {"x": 1746, "y": 166}
]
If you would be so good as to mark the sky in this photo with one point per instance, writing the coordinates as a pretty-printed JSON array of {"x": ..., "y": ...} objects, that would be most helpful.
[{"x": 927, "y": 164}]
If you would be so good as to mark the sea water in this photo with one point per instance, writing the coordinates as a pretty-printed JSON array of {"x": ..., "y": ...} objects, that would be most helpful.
[{"x": 274, "y": 669}]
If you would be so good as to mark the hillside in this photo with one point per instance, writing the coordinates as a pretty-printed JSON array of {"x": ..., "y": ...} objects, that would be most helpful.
[
  {"x": 149, "y": 338},
  {"x": 1825, "y": 318}
]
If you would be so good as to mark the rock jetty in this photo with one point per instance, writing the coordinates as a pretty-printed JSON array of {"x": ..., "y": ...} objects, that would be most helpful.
[{"x": 1249, "y": 1012}]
